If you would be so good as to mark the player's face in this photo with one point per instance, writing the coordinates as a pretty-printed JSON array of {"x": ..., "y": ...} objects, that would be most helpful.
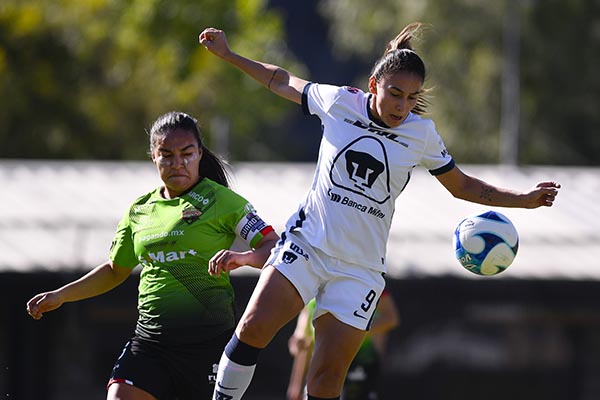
[
  {"x": 394, "y": 96},
  {"x": 177, "y": 157}
]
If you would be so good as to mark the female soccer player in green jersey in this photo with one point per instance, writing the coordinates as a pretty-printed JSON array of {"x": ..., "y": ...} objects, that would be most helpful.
[{"x": 180, "y": 233}]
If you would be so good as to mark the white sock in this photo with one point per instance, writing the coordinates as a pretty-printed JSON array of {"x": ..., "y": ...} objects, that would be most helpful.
[{"x": 232, "y": 379}]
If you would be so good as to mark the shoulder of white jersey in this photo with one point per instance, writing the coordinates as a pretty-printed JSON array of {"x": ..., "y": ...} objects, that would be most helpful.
[
  {"x": 337, "y": 90},
  {"x": 351, "y": 94},
  {"x": 352, "y": 97},
  {"x": 425, "y": 122},
  {"x": 412, "y": 117},
  {"x": 352, "y": 90}
]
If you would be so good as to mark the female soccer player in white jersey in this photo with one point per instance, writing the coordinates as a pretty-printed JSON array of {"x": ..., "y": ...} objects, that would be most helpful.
[
  {"x": 334, "y": 247},
  {"x": 177, "y": 232}
]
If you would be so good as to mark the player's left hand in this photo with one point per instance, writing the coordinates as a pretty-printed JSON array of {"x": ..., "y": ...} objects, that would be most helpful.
[
  {"x": 225, "y": 261},
  {"x": 542, "y": 194}
]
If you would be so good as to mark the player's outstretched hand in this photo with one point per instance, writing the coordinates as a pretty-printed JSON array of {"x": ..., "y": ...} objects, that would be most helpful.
[
  {"x": 215, "y": 41},
  {"x": 542, "y": 194},
  {"x": 43, "y": 302}
]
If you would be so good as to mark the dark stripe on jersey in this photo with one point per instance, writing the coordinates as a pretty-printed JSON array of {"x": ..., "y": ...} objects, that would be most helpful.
[
  {"x": 282, "y": 239},
  {"x": 305, "y": 99},
  {"x": 442, "y": 170},
  {"x": 299, "y": 221},
  {"x": 407, "y": 179}
]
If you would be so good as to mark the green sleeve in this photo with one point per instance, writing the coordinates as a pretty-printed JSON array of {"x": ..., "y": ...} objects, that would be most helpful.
[{"x": 121, "y": 250}]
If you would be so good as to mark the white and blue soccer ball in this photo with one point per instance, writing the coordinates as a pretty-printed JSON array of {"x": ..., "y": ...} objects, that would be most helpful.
[{"x": 486, "y": 243}]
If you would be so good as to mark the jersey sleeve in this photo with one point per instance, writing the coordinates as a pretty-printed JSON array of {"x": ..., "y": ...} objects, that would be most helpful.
[
  {"x": 121, "y": 250},
  {"x": 317, "y": 98},
  {"x": 435, "y": 157}
]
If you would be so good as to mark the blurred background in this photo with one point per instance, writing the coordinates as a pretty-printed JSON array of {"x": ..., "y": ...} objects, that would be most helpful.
[{"x": 515, "y": 95}]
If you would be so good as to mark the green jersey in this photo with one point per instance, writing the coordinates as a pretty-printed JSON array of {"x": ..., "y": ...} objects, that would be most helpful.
[{"x": 173, "y": 240}]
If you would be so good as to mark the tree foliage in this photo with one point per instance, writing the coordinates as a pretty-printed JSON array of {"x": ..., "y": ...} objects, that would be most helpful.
[
  {"x": 561, "y": 83},
  {"x": 463, "y": 49},
  {"x": 85, "y": 78}
]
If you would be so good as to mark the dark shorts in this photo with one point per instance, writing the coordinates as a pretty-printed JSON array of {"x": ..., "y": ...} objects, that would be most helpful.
[{"x": 179, "y": 372}]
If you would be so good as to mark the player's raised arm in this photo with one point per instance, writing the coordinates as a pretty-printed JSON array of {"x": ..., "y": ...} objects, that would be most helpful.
[{"x": 276, "y": 79}]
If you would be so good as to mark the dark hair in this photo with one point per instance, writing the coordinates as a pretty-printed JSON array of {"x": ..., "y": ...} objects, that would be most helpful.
[
  {"x": 400, "y": 56},
  {"x": 211, "y": 166}
]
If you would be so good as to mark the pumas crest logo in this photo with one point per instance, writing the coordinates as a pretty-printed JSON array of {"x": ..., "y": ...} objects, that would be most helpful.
[
  {"x": 288, "y": 257},
  {"x": 362, "y": 168},
  {"x": 190, "y": 215}
]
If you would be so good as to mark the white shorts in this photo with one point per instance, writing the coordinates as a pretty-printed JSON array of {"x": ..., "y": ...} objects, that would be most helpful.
[{"x": 349, "y": 292}]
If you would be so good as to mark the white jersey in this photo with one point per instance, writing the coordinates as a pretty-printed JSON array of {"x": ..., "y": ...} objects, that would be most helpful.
[{"x": 362, "y": 168}]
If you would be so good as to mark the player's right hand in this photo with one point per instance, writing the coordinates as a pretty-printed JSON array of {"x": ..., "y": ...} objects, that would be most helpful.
[
  {"x": 215, "y": 41},
  {"x": 43, "y": 302}
]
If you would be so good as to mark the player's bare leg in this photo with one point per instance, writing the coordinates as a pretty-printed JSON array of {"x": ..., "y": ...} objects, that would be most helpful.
[
  {"x": 336, "y": 345},
  {"x": 274, "y": 303}
]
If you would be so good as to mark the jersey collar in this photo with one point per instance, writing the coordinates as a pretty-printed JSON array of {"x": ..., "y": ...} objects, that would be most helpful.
[{"x": 372, "y": 117}]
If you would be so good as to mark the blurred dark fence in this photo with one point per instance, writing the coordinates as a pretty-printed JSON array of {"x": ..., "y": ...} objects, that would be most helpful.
[{"x": 459, "y": 339}]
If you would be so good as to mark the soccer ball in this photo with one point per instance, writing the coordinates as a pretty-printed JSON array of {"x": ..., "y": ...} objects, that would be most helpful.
[{"x": 486, "y": 244}]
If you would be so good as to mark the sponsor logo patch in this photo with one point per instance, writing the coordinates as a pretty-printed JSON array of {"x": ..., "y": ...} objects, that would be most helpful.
[
  {"x": 190, "y": 215},
  {"x": 346, "y": 201},
  {"x": 298, "y": 250}
]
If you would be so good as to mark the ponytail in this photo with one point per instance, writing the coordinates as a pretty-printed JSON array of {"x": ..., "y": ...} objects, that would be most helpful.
[
  {"x": 214, "y": 167},
  {"x": 400, "y": 56},
  {"x": 404, "y": 38}
]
